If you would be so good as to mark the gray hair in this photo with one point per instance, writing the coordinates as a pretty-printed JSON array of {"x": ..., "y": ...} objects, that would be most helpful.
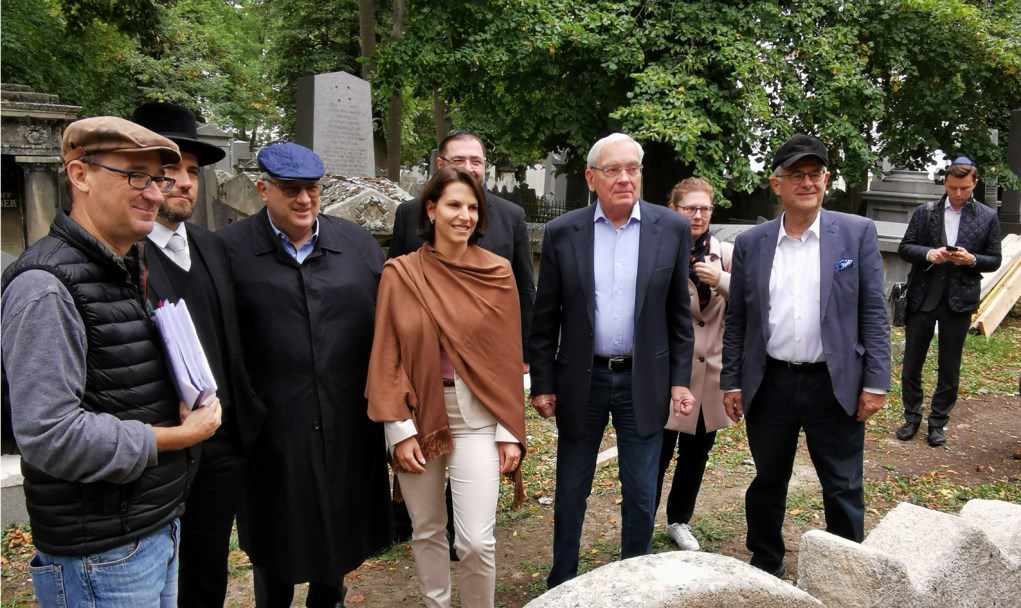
[
  {"x": 265, "y": 177},
  {"x": 593, "y": 153}
]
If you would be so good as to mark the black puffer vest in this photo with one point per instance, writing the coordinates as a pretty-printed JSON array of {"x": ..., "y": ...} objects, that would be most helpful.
[{"x": 125, "y": 377}]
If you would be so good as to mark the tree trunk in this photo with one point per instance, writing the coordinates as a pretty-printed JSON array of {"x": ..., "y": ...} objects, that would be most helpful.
[
  {"x": 440, "y": 116},
  {"x": 367, "y": 35},
  {"x": 393, "y": 118}
]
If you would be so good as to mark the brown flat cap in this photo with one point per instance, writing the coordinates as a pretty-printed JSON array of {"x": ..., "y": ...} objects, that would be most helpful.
[{"x": 113, "y": 134}]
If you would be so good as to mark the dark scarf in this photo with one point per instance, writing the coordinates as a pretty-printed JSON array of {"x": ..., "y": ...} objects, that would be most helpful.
[{"x": 699, "y": 251}]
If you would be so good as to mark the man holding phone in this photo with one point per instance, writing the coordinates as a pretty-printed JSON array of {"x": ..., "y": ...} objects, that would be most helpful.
[{"x": 949, "y": 243}]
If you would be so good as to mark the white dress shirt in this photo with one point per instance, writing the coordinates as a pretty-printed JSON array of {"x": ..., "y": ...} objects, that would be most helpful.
[
  {"x": 161, "y": 236},
  {"x": 795, "y": 334},
  {"x": 951, "y": 222}
]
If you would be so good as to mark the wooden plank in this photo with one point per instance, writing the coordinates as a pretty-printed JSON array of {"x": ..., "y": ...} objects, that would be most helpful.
[
  {"x": 1006, "y": 295},
  {"x": 1010, "y": 247},
  {"x": 985, "y": 301}
]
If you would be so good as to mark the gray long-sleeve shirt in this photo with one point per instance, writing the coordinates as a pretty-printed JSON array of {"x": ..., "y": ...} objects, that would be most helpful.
[{"x": 44, "y": 348}]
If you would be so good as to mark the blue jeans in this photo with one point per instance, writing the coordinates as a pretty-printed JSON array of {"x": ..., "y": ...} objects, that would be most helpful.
[
  {"x": 140, "y": 574},
  {"x": 637, "y": 458}
]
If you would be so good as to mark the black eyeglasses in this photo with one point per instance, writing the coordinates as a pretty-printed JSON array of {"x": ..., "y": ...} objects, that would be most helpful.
[
  {"x": 293, "y": 190},
  {"x": 139, "y": 180},
  {"x": 796, "y": 177}
]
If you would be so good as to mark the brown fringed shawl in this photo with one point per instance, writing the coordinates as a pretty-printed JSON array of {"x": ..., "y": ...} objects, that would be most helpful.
[{"x": 471, "y": 307}]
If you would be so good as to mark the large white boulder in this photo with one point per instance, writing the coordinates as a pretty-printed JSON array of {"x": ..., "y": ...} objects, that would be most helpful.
[
  {"x": 917, "y": 557},
  {"x": 679, "y": 579}
]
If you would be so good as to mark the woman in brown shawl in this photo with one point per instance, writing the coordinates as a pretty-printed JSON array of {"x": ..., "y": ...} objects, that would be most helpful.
[{"x": 445, "y": 378}]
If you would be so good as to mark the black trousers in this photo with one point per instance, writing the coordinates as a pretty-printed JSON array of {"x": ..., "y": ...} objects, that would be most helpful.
[
  {"x": 787, "y": 402},
  {"x": 953, "y": 329},
  {"x": 692, "y": 456},
  {"x": 271, "y": 592},
  {"x": 207, "y": 521}
]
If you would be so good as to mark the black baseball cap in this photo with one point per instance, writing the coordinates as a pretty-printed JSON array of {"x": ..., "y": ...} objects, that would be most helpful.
[{"x": 797, "y": 148}]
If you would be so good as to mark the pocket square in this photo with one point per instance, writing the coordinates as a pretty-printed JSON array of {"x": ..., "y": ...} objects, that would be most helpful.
[{"x": 844, "y": 264}]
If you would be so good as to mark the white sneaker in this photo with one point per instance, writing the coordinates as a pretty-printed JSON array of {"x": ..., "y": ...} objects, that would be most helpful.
[{"x": 681, "y": 534}]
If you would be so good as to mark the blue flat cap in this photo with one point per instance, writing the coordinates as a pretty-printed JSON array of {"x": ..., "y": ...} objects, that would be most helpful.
[
  {"x": 290, "y": 161},
  {"x": 962, "y": 160}
]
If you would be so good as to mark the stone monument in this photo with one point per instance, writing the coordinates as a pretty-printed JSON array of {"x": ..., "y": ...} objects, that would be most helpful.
[
  {"x": 32, "y": 125},
  {"x": 334, "y": 118}
]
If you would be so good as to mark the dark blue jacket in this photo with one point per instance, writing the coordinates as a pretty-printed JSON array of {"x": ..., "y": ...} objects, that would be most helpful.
[{"x": 561, "y": 342}]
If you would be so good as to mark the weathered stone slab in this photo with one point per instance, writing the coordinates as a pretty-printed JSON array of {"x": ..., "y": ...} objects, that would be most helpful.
[
  {"x": 919, "y": 558},
  {"x": 839, "y": 572},
  {"x": 679, "y": 579},
  {"x": 370, "y": 202},
  {"x": 334, "y": 118},
  {"x": 1001, "y": 521}
]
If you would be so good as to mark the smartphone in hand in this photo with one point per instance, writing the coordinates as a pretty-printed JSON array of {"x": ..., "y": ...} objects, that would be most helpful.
[{"x": 951, "y": 248}]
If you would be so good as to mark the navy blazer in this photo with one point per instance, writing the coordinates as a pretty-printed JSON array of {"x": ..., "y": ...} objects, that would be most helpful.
[
  {"x": 854, "y": 324},
  {"x": 561, "y": 342},
  {"x": 506, "y": 236}
]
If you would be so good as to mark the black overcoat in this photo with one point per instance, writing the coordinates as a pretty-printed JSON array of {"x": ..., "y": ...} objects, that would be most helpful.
[{"x": 317, "y": 497}]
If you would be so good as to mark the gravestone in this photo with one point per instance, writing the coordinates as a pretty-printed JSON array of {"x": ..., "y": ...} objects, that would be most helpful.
[{"x": 335, "y": 119}]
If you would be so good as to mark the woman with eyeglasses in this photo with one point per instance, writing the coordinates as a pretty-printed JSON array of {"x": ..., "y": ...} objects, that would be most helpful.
[
  {"x": 693, "y": 436},
  {"x": 445, "y": 379}
]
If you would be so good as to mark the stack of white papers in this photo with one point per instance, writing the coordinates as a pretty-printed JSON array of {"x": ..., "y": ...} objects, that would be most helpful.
[{"x": 194, "y": 379}]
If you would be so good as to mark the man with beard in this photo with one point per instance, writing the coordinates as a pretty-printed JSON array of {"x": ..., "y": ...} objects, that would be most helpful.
[{"x": 188, "y": 262}]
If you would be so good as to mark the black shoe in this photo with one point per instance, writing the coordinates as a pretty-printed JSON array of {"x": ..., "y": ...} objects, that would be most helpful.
[
  {"x": 907, "y": 430},
  {"x": 936, "y": 437},
  {"x": 777, "y": 571}
]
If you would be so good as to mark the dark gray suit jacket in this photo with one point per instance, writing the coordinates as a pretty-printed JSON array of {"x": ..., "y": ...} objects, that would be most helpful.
[
  {"x": 854, "y": 324},
  {"x": 561, "y": 341},
  {"x": 506, "y": 236}
]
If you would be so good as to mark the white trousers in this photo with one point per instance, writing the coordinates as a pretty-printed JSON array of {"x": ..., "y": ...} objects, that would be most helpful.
[{"x": 474, "y": 470}]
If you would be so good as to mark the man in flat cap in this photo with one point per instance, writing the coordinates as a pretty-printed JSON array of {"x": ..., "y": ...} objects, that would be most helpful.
[
  {"x": 99, "y": 425},
  {"x": 317, "y": 497},
  {"x": 188, "y": 262},
  {"x": 949, "y": 243},
  {"x": 806, "y": 346}
]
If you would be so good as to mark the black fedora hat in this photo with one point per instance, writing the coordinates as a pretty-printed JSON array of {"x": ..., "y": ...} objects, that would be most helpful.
[{"x": 177, "y": 123}]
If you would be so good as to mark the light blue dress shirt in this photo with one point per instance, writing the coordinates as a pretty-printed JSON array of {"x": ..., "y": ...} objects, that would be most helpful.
[
  {"x": 299, "y": 253},
  {"x": 615, "y": 266}
]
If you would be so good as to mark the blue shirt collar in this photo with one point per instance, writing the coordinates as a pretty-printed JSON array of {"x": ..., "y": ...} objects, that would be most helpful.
[
  {"x": 636, "y": 214},
  {"x": 299, "y": 253}
]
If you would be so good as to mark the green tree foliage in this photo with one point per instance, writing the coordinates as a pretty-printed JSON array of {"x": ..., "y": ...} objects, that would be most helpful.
[
  {"x": 304, "y": 38},
  {"x": 722, "y": 84},
  {"x": 109, "y": 57}
]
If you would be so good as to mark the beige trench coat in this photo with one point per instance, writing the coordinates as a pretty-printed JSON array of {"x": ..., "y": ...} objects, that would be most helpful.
[{"x": 708, "y": 358}]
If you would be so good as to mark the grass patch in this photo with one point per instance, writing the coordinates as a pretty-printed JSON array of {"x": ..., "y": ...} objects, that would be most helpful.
[{"x": 935, "y": 491}]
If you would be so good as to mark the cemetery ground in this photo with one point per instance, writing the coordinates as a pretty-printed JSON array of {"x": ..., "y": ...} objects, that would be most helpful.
[{"x": 983, "y": 434}]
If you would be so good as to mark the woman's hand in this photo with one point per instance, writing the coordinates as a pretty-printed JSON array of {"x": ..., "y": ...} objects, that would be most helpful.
[
  {"x": 708, "y": 274},
  {"x": 510, "y": 455},
  {"x": 409, "y": 455}
]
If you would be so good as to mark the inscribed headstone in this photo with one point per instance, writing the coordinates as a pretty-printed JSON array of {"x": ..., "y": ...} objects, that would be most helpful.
[{"x": 335, "y": 119}]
